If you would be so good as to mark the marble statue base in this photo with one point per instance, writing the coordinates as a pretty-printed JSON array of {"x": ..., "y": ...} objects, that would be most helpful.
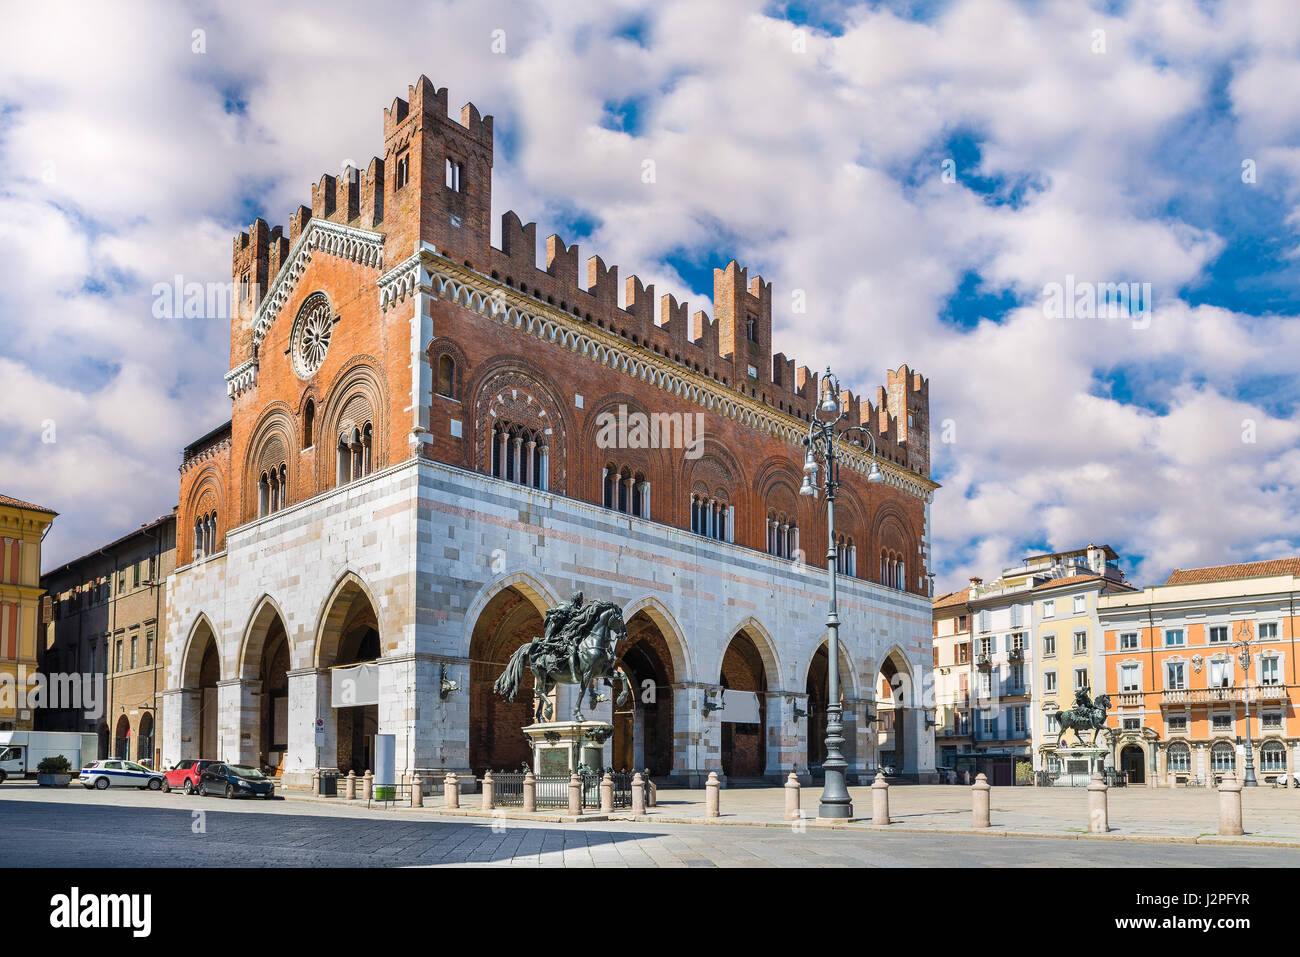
[
  {"x": 1078, "y": 764},
  {"x": 560, "y": 746}
]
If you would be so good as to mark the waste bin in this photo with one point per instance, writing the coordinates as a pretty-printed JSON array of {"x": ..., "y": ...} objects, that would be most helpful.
[{"x": 329, "y": 784}]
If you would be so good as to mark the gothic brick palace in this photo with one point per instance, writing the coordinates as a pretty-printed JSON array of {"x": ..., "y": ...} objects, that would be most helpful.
[{"x": 415, "y": 468}]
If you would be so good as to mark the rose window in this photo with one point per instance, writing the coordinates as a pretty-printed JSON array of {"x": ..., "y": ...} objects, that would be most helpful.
[{"x": 311, "y": 337}]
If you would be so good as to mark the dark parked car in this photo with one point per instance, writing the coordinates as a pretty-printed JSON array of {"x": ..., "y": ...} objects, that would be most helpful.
[{"x": 235, "y": 780}]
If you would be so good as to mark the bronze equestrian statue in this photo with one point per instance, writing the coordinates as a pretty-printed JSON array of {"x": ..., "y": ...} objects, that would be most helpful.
[
  {"x": 1086, "y": 715},
  {"x": 578, "y": 647}
]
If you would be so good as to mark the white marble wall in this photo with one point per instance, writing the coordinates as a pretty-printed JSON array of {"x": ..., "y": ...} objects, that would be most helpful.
[{"x": 432, "y": 545}]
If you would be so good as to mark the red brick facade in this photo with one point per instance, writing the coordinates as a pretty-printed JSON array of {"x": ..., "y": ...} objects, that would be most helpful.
[{"x": 290, "y": 424}]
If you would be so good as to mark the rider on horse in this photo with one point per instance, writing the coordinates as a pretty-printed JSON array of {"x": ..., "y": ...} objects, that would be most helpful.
[{"x": 560, "y": 639}]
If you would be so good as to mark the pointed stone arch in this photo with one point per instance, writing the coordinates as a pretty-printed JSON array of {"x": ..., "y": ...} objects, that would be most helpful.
[
  {"x": 537, "y": 590},
  {"x": 334, "y": 615},
  {"x": 674, "y": 635},
  {"x": 850, "y": 682},
  {"x": 195, "y": 646},
  {"x": 763, "y": 643},
  {"x": 265, "y": 611}
]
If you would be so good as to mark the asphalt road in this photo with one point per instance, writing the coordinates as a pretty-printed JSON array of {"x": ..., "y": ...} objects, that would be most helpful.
[{"x": 118, "y": 828}]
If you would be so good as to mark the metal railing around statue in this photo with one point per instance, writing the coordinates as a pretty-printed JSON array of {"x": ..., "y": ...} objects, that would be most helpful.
[{"x": 552, "y": 790}]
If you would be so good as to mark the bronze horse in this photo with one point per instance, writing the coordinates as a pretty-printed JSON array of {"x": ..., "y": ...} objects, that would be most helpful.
[
  {"x": 593, "y": 651},
  {"x": 1086, "y": 715}
]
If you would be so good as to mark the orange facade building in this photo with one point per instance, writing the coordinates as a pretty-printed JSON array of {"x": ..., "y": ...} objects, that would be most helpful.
[{"x": 1202, "y": 667}]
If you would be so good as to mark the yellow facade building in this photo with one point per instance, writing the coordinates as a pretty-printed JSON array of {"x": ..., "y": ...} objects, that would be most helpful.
[{"x": 22, "y": 529}]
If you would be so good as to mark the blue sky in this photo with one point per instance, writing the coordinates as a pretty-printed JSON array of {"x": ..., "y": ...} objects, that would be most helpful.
[{"x": 921, "y": 171}]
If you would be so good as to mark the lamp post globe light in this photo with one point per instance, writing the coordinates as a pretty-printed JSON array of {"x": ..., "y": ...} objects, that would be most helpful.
[
  {"x": 1243, "y": 657},
  {"x": 824, "y": 438}
]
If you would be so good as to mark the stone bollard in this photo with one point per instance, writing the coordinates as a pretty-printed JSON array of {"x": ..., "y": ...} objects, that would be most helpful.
[
  {"x": 1230, "y": 806},
  {"x": 1098, "y": 813},
  {"x": 352, "y": 786},
  {"x": 315, "y": 783},
  {"x": 792, "y": 797},
  {"x": 530, "y": 792},
  {"x": 980, "y": 801},
  {"x": 575, "y": 793},
  {"x": 607, "y": 794},
  {"x": 879, "y": 800},
  {"x": 712, "y": 788},
  {"x": 638, "y": 795},
  {"x": 417, "y": 791},
  {"x": 651, "y": 789},
  {"x": 451, "y": 790},
  {"x": 489, "y": 791},
  {"x": 368, "y": 782}
]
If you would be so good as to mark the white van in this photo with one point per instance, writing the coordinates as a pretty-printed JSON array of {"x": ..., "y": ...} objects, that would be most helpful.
[{"x": 22, "y": 751}]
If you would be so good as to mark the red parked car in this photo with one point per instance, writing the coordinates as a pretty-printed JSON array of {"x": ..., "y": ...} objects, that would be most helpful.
[{"x": 186, "y": 775}]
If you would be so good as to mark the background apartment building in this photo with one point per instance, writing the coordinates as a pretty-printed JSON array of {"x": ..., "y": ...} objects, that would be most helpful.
[
  {"x": 22, "y": 529},
  {"x": 105, "y": 614},
  {"x": 1173, "y": 659},
  {"x": 953, "y": 677},
  {"x": 1008, "y": 654},
  {"x": 1067, "y": 637}
]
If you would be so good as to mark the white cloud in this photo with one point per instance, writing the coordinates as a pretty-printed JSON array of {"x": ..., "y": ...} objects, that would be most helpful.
[{"x": 819, "y": 169}]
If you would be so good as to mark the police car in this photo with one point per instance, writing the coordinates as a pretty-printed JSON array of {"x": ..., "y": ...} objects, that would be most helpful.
[{"x": 120, "y": 773}]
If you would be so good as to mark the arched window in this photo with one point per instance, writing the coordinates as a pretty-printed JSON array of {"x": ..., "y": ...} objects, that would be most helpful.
[
  {"x": 309, "y": 424},
  {"x": 1223, "y": 757},
  {"x": 625, "y": 490},
  {"x": 782, "y": 535},
  {"x": 846, "y": 556},
  {"x": 446, "y": 376},
  {"x": 711, "y": 516},
  {"x": 1179, "y": 757},
  {"x": 1272, "y": 756},
  {"x": 893, "y": 573},
  {"x": 205, "y": 534},
  {"x": 519, "y": 455},
  {"x": 354, "y": 454},
  {"x": 263, "y": 496}
]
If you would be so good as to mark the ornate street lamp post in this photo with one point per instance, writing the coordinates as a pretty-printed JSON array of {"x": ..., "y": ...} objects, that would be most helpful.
[
  {"x": 823, "y": 438},
  {"x": 1243, "y": 657}
]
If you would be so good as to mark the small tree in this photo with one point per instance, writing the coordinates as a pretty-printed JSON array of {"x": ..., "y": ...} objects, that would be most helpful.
[{"x": 54, "y": 764}]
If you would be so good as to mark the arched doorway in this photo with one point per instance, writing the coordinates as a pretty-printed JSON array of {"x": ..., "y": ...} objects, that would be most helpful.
[
  {"x": 200, "y": 672},
  {"x": 1132, "y": 761},
  {"x": 816, "y": 689},
  {"x": 264, "y": 669},
  {"x": 144, "y": 740},
  {"x": 349, "y": 636},
  {"x": 893, "y": 706},
  {"x": 273, "y": 704},
  {"x": 510, "y": 619},
  {"x": 122, "y": 739},
  {"x": 744, "y": 742},
  {"x": 643, "y": 729},
  {"x": 209, "y": 675}
]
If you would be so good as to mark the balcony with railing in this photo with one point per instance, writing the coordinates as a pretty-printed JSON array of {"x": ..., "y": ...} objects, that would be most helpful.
[{"x": 1185, "y": 696}]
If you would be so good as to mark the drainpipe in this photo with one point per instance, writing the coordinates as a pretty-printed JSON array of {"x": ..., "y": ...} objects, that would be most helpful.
[{"x": 1151, "y": 654}]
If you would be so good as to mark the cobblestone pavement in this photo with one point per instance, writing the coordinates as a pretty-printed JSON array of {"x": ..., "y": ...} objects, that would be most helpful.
[{"x": 67, "y": 828}]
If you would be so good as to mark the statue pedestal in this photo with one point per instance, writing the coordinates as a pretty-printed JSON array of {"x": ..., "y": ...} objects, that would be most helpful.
[
  {"x": 560, "y": 746},
  {"x": 1078, "y": 764}
]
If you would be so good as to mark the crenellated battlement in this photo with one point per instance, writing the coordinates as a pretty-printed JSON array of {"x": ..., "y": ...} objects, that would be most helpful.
[{"x": 433, "y": 185}]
